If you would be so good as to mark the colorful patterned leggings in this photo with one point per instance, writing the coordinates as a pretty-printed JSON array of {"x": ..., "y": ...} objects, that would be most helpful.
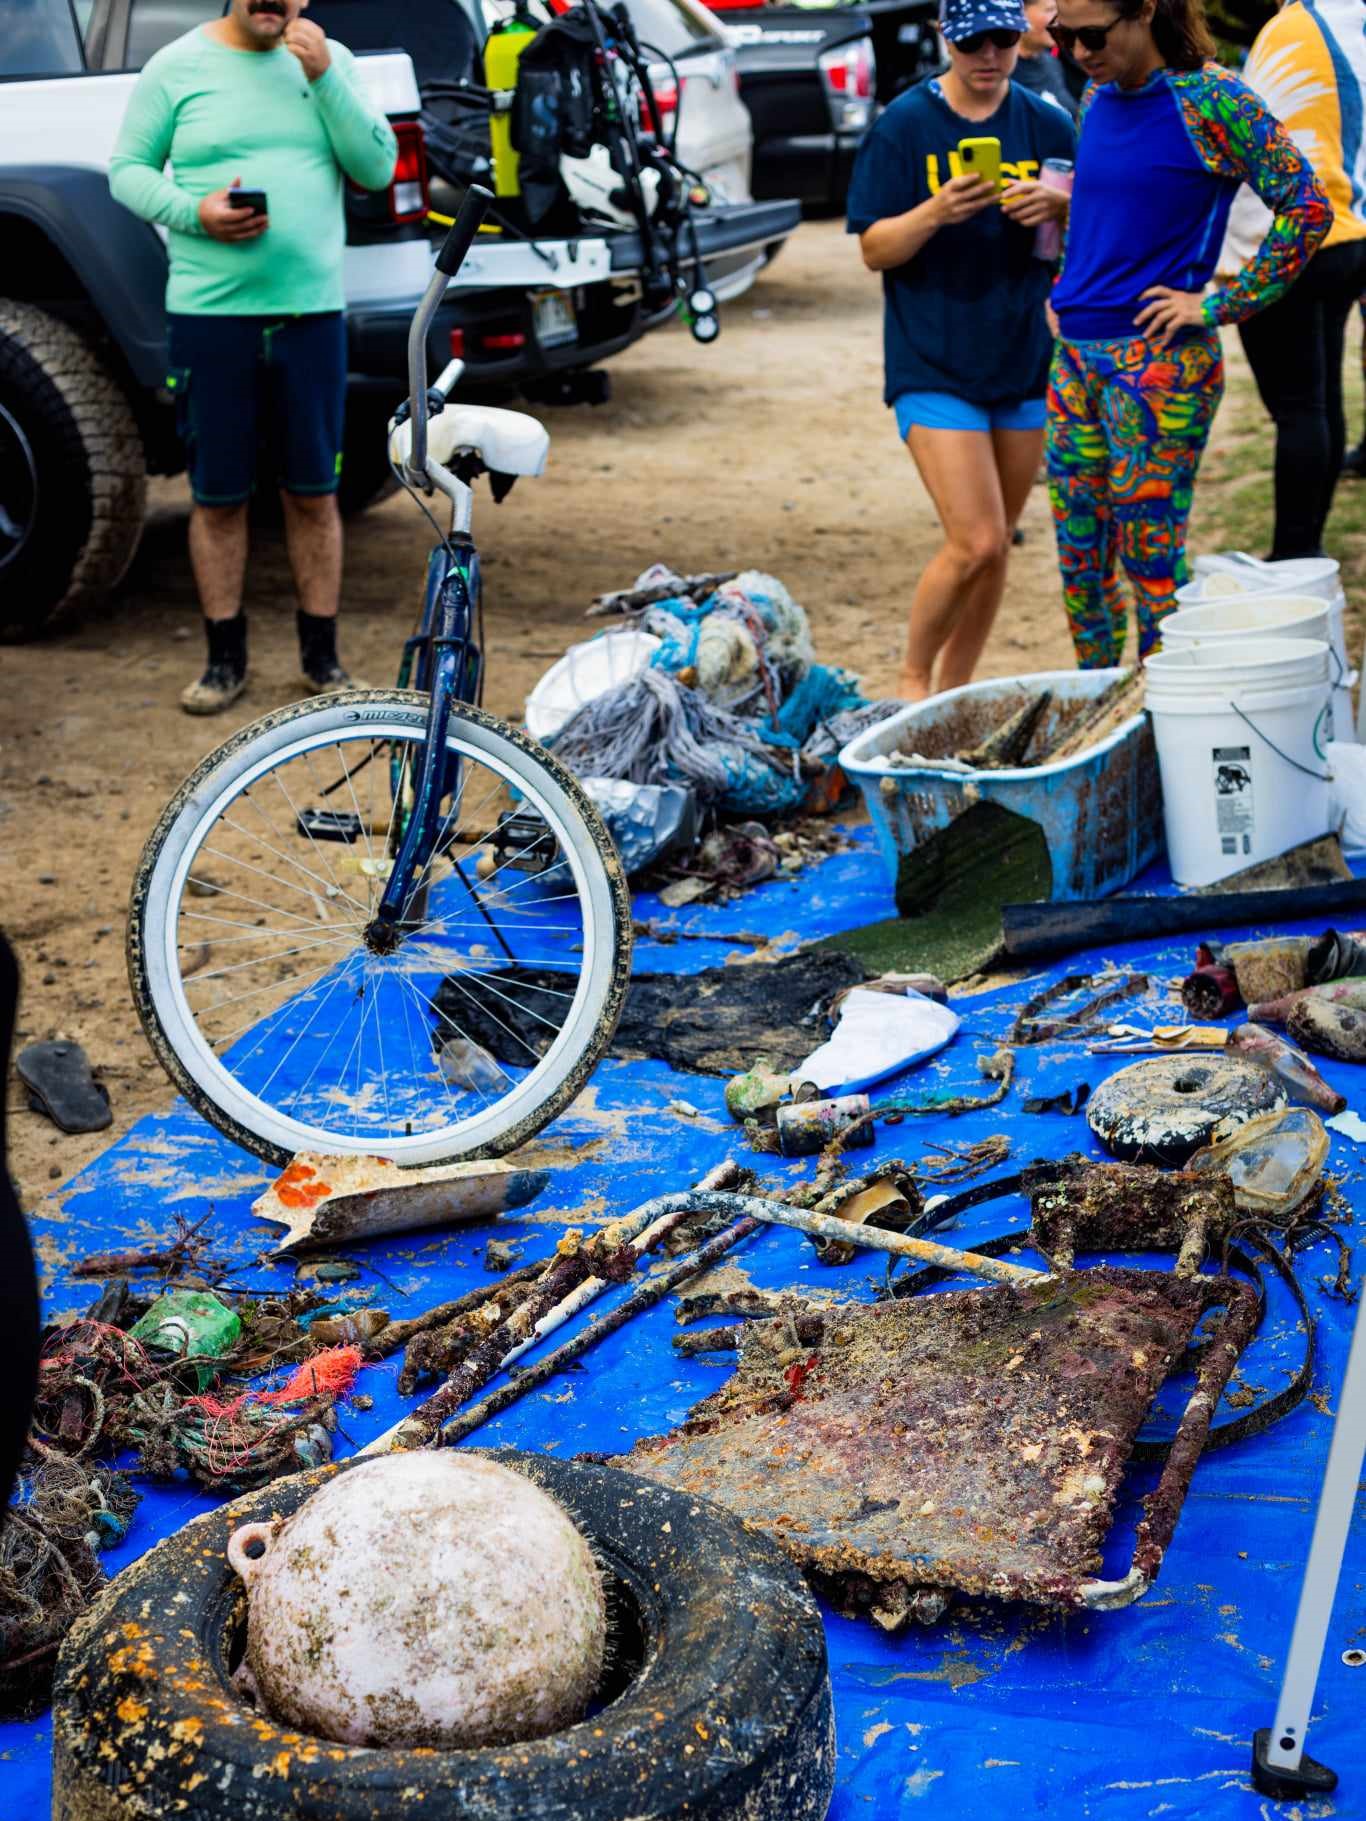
[{"x": 1127, "y": 425}]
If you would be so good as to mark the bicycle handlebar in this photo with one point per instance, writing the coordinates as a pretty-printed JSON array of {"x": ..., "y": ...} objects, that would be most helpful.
[
  {"x": 448, "y": 262},
  {"x": 466, "y": 225}
]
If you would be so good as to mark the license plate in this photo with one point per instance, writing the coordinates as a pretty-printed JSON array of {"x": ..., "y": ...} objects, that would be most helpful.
[{"x": 552, "y": 317}]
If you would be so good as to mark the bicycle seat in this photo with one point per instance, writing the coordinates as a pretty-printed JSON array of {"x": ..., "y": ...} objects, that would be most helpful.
[{"x": 507, "y": 442}]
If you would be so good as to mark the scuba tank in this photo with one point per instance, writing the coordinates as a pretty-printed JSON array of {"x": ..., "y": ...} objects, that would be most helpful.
[{"x": 502, "y": 53}]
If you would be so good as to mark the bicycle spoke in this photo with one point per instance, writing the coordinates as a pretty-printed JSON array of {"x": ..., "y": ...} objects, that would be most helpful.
[
  {"x": 256, "y": 991},
  {"x": 314, "y": 1015},
  {"x": 445, "y": 1018},
  {"x": 301, "y": 826},
  {"x": 289, "y": 886},
  {"x": 235, "y": 967},
  {"x": 369, "y": 843},
  {"x": 345, "y": 932},
  {"x": 226, "y": 891},
  {"x": 457, "y": 799},
  {"x": 318, "y": 1061},
  {"x": 515, "y": 1036}
]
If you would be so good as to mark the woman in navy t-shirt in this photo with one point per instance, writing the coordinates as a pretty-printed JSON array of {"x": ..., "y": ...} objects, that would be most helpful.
[{"x": 966, "y": 343}]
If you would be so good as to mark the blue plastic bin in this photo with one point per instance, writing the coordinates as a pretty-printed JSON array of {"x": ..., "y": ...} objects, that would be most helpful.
[{"x": 1101, "y": 812}]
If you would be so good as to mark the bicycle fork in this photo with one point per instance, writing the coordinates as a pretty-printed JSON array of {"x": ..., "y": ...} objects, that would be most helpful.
[{"x": 437, "y": 777}]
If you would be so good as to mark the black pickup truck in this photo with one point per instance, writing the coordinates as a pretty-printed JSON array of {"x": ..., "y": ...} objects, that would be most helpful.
[{"x": 814, "y": 78}]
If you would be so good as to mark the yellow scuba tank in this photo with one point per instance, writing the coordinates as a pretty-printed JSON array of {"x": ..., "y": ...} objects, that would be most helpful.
[{"x": 502, "y": 53}]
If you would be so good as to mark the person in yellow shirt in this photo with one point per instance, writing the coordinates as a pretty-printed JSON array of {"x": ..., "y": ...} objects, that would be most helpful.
[{"x": 1308, "y": 65}]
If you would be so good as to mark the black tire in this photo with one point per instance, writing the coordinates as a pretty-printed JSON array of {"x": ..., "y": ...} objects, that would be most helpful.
[
  {"x": 366, "y": 477},
  {"x": 73, "y": 475},
  {"x": 721, "y": 1710}
]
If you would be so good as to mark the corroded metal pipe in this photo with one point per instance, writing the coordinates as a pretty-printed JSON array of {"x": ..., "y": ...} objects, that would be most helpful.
[{"x": 433, "y": 1421}]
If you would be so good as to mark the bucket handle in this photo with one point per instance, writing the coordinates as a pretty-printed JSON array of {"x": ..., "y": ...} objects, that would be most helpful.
[{"x": 1323, "y": 777}]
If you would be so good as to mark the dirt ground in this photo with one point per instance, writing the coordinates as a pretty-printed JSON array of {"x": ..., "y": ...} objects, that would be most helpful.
[{"x": 771, "y": 449}]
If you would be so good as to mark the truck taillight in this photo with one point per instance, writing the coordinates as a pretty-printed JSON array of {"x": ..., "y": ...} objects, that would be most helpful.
[
  {"x": 848, "y": 72},
  {"x": 408, "y": 187},
  {"x": 666, "y": 100}
]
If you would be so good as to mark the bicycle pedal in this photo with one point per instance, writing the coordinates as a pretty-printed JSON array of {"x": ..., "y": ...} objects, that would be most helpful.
[
  {"x": 330, "y": 825},
  {"x": 523, "y": 841}
]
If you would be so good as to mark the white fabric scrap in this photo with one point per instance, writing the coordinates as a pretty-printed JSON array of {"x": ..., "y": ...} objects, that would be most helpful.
[
  {"x": 878, "y": 1034},
  {"x": 1351, "y": 1125}
]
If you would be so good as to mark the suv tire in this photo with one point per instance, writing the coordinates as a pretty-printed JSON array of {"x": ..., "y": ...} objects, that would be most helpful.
[
  {"x": 73, "y": 476},
  {"x": 366, "y": 477}
]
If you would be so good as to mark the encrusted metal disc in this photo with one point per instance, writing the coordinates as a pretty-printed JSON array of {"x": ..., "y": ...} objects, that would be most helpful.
[{"x": 1163, "y": 1110}]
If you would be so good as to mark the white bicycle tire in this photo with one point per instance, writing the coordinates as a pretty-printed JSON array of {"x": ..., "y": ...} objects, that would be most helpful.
[{"x": 219, "y": 781}]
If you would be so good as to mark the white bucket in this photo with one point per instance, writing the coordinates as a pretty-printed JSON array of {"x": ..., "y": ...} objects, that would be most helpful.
[
  {"x": 1235, "y": 572},
  {"x": 585, "y": 672},
  {"x": 1233, "y": 619},
  {"x": 1240, "y": 738}
]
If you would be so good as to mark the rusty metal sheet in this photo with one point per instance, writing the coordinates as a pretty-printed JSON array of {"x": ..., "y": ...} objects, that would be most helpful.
[
  {"x": 971, "y": 1440},
  {"x": 1129, "y": 1207}
]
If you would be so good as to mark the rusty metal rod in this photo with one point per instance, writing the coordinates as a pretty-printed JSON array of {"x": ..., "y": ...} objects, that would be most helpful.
[
  {"x": 643, "y": 1237},
  {"x": 644, "y": 1298},
  {"x": 878, "y": 1239},
  {"x": 749, "y": 1213},
  {"x": 399, "y": 1333}
]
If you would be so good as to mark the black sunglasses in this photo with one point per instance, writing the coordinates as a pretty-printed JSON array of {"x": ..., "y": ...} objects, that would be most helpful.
[
  {"x": 1090, "y": 37},
  {"x": 1003, "y": 41}
]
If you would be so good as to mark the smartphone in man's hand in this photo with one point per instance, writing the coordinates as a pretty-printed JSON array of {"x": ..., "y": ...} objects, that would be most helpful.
[{"x": 254, "y": 201}]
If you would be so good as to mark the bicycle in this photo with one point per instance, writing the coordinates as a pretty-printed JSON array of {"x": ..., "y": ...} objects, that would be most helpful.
[{"x": 335, "y": 925}]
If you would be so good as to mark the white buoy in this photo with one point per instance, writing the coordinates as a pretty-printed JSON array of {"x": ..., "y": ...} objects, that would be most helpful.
[{"x": 423, "y": 1599}]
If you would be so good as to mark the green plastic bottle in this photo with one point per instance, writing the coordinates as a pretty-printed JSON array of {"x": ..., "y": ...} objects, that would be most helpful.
[{"x": 192, "y": 1324}]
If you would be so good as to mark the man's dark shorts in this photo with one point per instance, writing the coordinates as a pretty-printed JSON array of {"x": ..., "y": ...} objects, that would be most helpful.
[{"x": 248, "y": 382}]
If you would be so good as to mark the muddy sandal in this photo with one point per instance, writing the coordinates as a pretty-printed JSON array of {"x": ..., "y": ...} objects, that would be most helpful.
[{"x": 60, "y": 1084}]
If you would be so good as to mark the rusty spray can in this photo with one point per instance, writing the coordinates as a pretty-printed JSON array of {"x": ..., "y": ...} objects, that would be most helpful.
[{"x": 811, "y": 1125}]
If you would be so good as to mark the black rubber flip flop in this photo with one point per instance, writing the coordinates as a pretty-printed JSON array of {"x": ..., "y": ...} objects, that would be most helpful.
[{"x": 60, "y": 1084}]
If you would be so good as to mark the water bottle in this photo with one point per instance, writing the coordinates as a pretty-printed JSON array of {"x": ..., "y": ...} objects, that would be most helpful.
[{"x": 1054, "y": 174}]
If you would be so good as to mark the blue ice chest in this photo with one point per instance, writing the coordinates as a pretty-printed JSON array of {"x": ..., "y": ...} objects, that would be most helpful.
[{"x": 1101, "y": 811}]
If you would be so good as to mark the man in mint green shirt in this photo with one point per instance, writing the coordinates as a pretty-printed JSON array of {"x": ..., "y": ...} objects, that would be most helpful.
[{"x": 257, "y": 101}]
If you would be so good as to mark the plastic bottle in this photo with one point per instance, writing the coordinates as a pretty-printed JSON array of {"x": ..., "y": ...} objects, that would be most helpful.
[{"x": 1054, "y": 174}]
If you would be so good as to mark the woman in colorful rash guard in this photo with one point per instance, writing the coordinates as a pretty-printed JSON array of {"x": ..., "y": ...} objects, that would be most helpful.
[
  {"x": 965, "y": 340},
  {"x": 1166, "y": 139}
]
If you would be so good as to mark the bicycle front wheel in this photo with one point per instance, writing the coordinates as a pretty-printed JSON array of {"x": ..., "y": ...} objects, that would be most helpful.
[{"x": 293, "y": 1021}]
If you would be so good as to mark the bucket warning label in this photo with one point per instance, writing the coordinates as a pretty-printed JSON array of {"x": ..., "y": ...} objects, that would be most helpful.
[{"x": 1235, "y": 814}]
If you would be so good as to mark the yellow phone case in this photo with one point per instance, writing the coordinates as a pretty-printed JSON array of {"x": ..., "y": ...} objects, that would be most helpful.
[{"x": 982, "y": 156}]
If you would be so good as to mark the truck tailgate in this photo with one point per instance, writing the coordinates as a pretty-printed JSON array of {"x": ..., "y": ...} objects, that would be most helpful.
[{"x": 726, "y": 228}]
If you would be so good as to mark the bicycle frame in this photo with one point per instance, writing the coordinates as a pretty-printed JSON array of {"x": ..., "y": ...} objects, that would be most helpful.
[{"x": 448, "y": 662}]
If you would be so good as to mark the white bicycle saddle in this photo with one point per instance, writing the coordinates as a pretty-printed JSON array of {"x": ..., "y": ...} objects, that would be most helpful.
[{"x": 507, "y": 442}]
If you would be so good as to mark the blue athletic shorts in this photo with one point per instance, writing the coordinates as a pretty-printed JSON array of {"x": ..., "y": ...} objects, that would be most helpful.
[
  {"x": 244, "y": 384},
  {"x": 944, "y": 411}
]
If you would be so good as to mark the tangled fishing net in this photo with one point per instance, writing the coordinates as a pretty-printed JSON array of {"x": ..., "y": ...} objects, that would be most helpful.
[
  {"x": 64, "y": 1512},
  {"x": 234, "y": 1444},
  {"x": 654, "y": 730},
  {"x": 748, "y": 643},
  {"x": 100, "y": 1391},
  {"x": 733, "y": 703},
  {"x": 67, "y": 1507}
]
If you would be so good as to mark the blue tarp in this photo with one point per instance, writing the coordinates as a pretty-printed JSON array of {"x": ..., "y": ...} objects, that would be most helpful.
[{"x": 1143, "y": 1712}]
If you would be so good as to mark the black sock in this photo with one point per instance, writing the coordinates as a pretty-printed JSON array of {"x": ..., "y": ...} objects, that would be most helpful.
[
  {"x": 317, "y": 641},
  {"x": 228, "y": 644}
]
